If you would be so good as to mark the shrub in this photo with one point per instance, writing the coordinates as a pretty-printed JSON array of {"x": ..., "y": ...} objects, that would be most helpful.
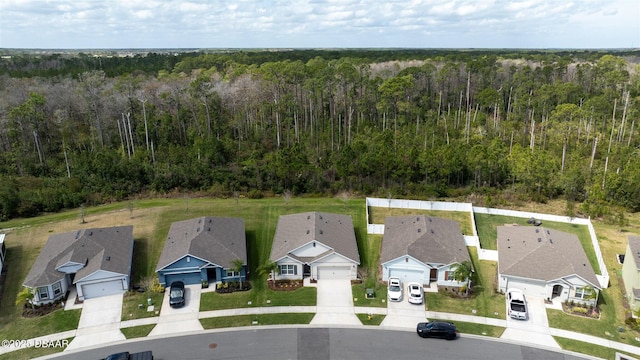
[{"x": 255, "y": 194}]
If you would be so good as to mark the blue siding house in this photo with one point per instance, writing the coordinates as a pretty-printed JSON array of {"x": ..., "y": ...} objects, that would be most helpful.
[{"x": 203, "y": 249}]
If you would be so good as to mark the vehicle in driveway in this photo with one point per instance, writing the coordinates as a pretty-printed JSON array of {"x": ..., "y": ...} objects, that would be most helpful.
[
  {"x": 517, "y": 304},
  {"x": 176, "y": 294},
  {"x": 416, "y": 293},
  {"x": 394, "y": 292},
  {"x": 437, "y": 329}
]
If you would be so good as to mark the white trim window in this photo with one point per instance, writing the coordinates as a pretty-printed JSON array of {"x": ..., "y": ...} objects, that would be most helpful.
[
  {"x": 288, "y": 269},
  {"x": 448, "y": 275},
  {"x": 43, "y": 293},
  {"x": 232, "y": 274},
  {"x": 57, "y": 289},
  {"x": 583, "y": 292}
]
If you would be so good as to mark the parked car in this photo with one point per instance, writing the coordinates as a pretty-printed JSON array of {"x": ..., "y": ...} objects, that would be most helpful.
[
  {"x": 437, "y": 329},
  {"x": 176, "y": 294},
  {"x": 144, "y": 355},
  {"x": 394, "y": 292},
  {"x": 517, "y": 304},
  {"x": 416, "y": 293}
]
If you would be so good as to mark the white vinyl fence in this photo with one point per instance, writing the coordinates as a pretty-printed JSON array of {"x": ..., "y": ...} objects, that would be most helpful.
[{"x": 472, "y": 240}]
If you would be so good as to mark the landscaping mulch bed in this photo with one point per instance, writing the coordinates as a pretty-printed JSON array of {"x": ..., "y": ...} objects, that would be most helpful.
[
  {"x": 577, "y": 310},
  {"x": 285, "y": 285},
  {"x": 40, "y": 310},
  {"x": 228, "y": 288}
]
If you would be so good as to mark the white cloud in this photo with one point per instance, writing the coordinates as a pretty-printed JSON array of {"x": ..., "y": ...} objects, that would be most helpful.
[{"x": 335, "y": 23}]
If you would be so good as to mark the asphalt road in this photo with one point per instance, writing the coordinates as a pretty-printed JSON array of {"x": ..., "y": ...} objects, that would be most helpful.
[{"x": 316, "y": 343}]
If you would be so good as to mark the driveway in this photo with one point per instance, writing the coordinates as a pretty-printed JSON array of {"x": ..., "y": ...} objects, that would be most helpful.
[
  {"x": 184, "y": 319},
  {"x": 535, "y": 329},
  {"x": 99, "y": 322},
  {"x": 335, "y": 303},
  {"x": 404, "y": 315}
]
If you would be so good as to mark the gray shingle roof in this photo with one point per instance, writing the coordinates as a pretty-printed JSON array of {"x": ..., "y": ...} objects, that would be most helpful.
[
  {"x": 542, "y": 253},
  {"x": 218, "y": 240},
  {"x": 428, "y": 239},
  {"x": 108, "y": 249},
  {"x": 634, "y": 245},
  {"x": 333, "y": 230}
]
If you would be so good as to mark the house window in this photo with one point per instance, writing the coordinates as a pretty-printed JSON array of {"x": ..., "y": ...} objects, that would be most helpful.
[
  {"x": 57, "y": 289},
  {"x": 43, "y": 293},
  {"x": 288, "y": 269},
  {"x": 448, "y": 276},
  {"x": 583, "y": 292},
  {"x": 231, "y": 273}
]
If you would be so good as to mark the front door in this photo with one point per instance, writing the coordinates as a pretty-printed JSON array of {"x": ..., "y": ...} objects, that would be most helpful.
[
  {"x": 433, "y": 275},
  {"x": 557, "y": 291}
]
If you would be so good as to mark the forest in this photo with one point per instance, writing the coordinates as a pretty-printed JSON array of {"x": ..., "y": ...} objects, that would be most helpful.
[{"x": 489, "y": 126}]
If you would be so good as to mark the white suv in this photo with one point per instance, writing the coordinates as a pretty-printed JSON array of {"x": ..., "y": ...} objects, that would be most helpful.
[
  {"x": 394, "y": 293},
  {"x": 517, "y": 305}
]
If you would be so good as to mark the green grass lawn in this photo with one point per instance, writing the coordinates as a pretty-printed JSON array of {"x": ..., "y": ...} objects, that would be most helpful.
[
  {"x": 372, "y": 320},
  {"x": 137, "y": 331},
  {"x": 30, "y": 353},
  {"x": 598, "y": 351},
  {"x": 379, "y": 299},
  {"x": 260, "y": 319},
  {"x": 476, "y": 329},
  {"x": 131, "y": 305},
  {"x": 607, "y": 326},
  {"x": 305, "y": 296},
  {"x": 485, "y": 301}
]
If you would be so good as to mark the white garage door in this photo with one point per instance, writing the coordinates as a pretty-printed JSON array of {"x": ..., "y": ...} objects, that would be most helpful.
[
  {"x": 334, "y": 272},
  {"x": 407, "y": 275},
  {"x": 102, "y": 288}
]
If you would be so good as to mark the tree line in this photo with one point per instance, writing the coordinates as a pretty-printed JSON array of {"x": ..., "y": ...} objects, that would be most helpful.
[{"x": 491, "y": 126}]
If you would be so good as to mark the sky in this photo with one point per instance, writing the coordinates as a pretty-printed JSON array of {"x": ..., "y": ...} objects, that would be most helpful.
[{"x": 144, "y": 24}]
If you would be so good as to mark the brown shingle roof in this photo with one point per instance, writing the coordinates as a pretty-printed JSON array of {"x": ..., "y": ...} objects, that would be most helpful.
[
  {"x": 333, "y": 230},
  {"x": 218, "y": 240},
  {"x": 108, "y": 249},
  {"x": 542, "y": 253},
  {"x": 428, "y": 239},
  {"x": 634, "y": 246}
]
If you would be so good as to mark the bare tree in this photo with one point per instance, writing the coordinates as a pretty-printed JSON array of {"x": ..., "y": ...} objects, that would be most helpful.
[{"x": 287, "y": 195}]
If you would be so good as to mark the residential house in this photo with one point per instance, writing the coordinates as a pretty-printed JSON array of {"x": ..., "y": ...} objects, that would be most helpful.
[
  {"x": 318, "y": 245},
  {"x": 96, "y": 261},
  {"x": 545, "y": 263},
  {"x": 423, "y": 249},
  {"x": 631, "y": 272},
  {"x": 204, "y": 249}
]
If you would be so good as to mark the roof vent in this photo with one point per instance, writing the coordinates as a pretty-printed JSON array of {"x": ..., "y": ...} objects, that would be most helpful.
[
  {"x": 198, "y": 230},
  {"x": 537, "y": 231},
  {"x": 108, "y": 258},
  {"x": 307, "y": 231},
  {"x": 429, "y": 219},
  {"x": 308, "y": 217},
  {"x": 320, "y": 231},
  {"x": 551, "y": 241},
  {"x": 210, "y": 220},
  {"x": 417, "y": 219},
  {"x": 432, "y": 231},
  {"x": 320, "y": 217},
  {"x": 548, "y": 232},
  {"x": 419, "y": 230},
  {"x": 199, "y": 221},
  {"x": 539, "y": 239},
  {"x": 90, "y": 233}
]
